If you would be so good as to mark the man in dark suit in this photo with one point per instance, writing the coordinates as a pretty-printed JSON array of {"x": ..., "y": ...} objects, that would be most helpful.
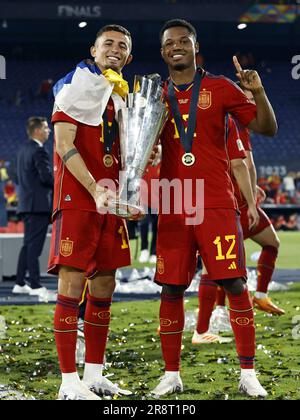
[{"x": 35, "y": 180}]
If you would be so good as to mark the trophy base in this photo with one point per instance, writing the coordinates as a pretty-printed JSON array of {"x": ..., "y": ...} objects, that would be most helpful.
[{"x": 127, "y": 211}]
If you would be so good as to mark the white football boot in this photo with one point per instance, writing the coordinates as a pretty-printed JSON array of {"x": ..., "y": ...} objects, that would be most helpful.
[
  {"x": 208, "y": 337},
  {"x": 250, "y": 385},
  {"x": 76, "y": 391},
  {"x": 169, "y": 384},
  {"x": 103, "y": 386}
]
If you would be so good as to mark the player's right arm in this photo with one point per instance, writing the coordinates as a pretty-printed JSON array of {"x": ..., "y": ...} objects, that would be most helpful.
[{"x": 65, "y": 134}]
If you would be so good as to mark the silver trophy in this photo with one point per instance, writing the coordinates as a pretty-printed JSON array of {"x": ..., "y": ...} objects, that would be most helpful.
[{"x": 140, "y": 125}]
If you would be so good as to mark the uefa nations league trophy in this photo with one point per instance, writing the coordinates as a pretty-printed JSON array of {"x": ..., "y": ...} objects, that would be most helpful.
[{"x": 140, "y": 125}]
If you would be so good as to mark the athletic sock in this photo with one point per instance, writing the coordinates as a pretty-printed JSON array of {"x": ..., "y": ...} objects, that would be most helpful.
[
  {"x": 207, "y": 297},
  {"x": 242, "y": 322},
  {"x": 171, "y": 329},
  {"x": 65, "y": 331},
  {"x": 265, "y": 267},
  {"x": 96, "y": 325}
]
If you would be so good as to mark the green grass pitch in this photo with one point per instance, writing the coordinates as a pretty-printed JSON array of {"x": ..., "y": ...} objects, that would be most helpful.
[{"x": 28, "y": 359}]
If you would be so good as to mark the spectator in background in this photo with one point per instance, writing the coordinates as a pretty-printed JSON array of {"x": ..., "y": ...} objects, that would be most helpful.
[
  {"x": 297, "y": 181},
  {"x": 280, "y": 223},
  {"x": 10, "y": 193},
  {"x": 45, "y": 89},
  {"x": 35, "y": 179},
  {"x": 274, "y": 182},
  {"x": 3, "y": 171},
  {"x": 289, "y": 185},
  {"x": 3, "y": 211},
  {"x": 292, "y": 223}
]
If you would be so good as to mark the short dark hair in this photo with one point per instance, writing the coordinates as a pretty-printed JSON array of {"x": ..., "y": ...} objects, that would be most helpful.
[
  {"x": 33, "y": 123},
  {"x": 178, "y": 22},
  {"x": 113, "y": 27}
]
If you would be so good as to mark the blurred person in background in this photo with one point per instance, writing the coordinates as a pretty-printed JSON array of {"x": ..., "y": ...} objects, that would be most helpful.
[{"x": 35, "y": 180}]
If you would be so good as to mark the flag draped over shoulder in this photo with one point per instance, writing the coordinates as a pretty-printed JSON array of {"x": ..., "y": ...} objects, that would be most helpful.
[{"x": 83, "y": 94}]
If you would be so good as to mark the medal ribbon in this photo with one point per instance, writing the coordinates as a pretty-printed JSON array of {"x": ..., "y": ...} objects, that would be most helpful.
[
  {"x": 110, "y": 133},
  {"x": 186, "y": 137}
]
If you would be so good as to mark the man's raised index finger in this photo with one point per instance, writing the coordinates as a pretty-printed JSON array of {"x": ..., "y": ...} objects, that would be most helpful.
[{"x": 237, "y": 64}]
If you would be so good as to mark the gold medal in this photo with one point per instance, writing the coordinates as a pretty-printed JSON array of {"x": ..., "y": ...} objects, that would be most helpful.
[
  {"x": 108, "y": 160},
  {"x": 188, "y": 159}
]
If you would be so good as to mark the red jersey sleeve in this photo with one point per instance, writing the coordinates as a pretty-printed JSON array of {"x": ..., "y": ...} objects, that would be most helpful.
[
  {"x": 245, "y": 137},
  {"x": 234, "y": 144},
  {"x": 60, "y": 116},
  {"x": 237, "y": 104}
]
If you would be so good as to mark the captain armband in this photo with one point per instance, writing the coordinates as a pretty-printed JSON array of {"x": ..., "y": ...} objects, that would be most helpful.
[{"x": 69, "y": 154}]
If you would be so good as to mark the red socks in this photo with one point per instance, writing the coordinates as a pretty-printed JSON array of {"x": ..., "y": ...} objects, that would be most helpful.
[
  {"x": 221, "y": 296},
  {"x": 65, "y": 331},
  {"x": 242, "y": 322},
  {"x": 207, "y": 297},
  {"x": 265, "y": 267},
  {"x": 96, "y": 325},
  {"x": 171, "y": 327}
]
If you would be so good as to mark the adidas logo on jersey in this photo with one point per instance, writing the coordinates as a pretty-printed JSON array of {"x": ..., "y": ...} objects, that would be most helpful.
[{"x": 232, "y": 266}]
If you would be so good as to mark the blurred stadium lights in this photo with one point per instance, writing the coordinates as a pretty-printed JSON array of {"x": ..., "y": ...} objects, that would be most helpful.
[
  {"x": 242, "y": 26},
  {"x": 82, "y": 24}
]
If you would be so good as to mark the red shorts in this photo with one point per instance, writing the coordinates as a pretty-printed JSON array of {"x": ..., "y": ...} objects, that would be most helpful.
[
  {"x": 263, "y": 223},
  {"x": 219, "y": 241},
  {"x": 88, "y": 241}
]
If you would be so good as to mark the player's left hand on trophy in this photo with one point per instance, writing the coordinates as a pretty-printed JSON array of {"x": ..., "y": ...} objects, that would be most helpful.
[
  {"x": 249, "y": 79},
  {"x": 253, "y": 217},
  {"x": 103, "y": 198},
  {"x": 155, "y": 156}
]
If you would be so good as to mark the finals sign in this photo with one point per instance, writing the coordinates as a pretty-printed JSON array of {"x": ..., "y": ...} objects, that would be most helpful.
[{"x": 78, "y": 11}]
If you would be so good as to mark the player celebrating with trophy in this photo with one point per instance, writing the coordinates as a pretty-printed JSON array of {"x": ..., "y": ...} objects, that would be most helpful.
[
  {"x": 193, "y": 147},
  {"x": 84, "y": 243}
]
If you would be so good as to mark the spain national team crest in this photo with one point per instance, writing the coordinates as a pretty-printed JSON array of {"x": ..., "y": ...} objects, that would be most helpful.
[
  {"x": 160, "y": 265},
  {"x": 243, "y": 321},
  {"x": 66, "y": 247},
  {"x": 204, "y": 100},
  {"x": 104, "y": 315}
]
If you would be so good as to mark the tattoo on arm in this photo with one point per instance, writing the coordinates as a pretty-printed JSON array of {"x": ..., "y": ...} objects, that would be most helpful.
[{"x": 69, "y": 154}]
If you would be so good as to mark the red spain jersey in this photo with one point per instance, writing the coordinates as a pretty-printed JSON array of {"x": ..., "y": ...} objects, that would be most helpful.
[
  {"x": 68, "y": 192},
  {"x": 244, "y": 138},
  {"x": 218, "y": 96}
]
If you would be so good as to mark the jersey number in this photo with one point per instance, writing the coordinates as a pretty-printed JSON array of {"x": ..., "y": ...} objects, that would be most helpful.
[
  {"x": 185, "y": 117},
  {"x": 124, "y": 238},
  {"x": 229, "y": 255}
]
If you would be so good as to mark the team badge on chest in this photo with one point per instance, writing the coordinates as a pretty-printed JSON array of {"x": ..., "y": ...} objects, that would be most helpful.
[{"x": 204, "y": 100}]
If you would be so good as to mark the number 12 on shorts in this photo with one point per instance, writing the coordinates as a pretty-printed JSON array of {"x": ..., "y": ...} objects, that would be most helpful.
[
  {"x": 121, "y": 231},
  {"x": 222, "y": 244}
]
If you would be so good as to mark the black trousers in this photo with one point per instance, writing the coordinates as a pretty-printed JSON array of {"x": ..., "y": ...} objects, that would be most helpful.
[{"x": 35, "y": 231}]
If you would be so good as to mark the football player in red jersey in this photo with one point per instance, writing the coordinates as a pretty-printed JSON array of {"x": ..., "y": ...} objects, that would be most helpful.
[
  {"x": 263, "y": 233},
  {"x": 194, "y": 148},
  {"x": 208, "y": 289},
  {"x": 86, "y": 244}
]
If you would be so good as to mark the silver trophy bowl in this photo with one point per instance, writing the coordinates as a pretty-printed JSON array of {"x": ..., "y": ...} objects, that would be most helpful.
[{"x": 140, "y": 125}]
